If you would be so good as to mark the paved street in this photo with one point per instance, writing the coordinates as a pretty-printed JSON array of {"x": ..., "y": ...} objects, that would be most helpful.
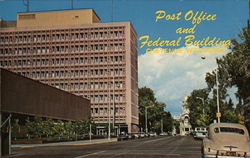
[{"x": 158, "y": 147}]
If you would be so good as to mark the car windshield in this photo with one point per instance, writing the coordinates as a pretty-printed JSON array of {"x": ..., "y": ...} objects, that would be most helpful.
[{"x": 229, "y": 130}]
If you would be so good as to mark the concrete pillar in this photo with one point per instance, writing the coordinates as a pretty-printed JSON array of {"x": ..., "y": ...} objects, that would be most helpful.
[
  {"x": 129, "y": 128},
  {"x": 9, "y": 135},
  {"x": 6, "y": 137}
]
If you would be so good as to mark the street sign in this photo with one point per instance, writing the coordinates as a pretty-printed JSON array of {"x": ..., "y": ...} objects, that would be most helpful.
[{"x": 218, "y": 114}]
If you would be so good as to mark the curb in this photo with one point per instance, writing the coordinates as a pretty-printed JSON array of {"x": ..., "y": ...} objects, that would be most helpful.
[
  {"x": 76, "y": 144},
  {"x": 81, "y": 144}
]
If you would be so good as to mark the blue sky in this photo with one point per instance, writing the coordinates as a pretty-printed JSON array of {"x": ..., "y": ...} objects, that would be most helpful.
[{"x": 171, "y": 76}]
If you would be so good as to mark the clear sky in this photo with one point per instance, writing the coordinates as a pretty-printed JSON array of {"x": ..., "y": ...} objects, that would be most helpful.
[{"x": 171, "y": 76}]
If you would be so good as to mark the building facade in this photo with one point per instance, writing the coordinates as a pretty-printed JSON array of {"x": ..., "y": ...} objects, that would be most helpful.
[
  {"x": 73, "y": 51},
  {"x": 185, "y": 126}
]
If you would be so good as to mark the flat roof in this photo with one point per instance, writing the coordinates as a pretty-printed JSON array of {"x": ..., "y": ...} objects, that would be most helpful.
[
  {"x": 61, "y": 10},
  {"x": 23, "y": 95}
]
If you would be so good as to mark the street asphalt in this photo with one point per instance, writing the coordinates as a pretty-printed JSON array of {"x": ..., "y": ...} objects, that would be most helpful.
[{"x": 156, "y": 147}]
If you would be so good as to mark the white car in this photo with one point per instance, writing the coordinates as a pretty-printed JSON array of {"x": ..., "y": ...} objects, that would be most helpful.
[
  {"x": 226, "y": 140},
  {"x": 200, "y": 132}
]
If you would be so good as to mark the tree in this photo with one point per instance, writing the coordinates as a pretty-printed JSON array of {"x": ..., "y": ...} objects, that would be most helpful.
[
  {"x": 15, "y": 128},
  {"x": 146, "y": 99},
  {"x": 30, "y": 125},
  {"x": 155, "y": 112},
  {"x": 59, "y": 128},
  {"x": 48, "y": 127},
  {"x": 234, "y": 71},
  {"x": 68, "y": 129},
  {"x": 196, "y": 107},
  {"x": 168, "y": 122}
]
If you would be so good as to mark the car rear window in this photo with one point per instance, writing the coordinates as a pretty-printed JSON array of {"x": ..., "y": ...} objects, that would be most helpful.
[{"x": 229, "y": 130}]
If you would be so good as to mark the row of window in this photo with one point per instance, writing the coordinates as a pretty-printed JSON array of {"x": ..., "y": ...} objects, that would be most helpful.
[
  {"x": 65, "y": 30},
  {"x": 103, "y": 119},
  {"x": 63, "y": 61},
  {"x": 63, "y": 36},
  {"x": 118, "y": 110},
  {"x": 105, "y": 98},
  {"x": 80, "y": 48},
  {"x": 97, "y": 72},
  {"x": 92, "y": 85}
]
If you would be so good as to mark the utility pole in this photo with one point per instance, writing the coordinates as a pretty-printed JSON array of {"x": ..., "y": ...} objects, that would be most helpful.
[
  {"x": 218, "y": 102},
  {"x": 218, "y": 114},
  {"x": 161, "y": 125},
  {"x": 146, "y": 119},
  {"x": 113, "y": 100},
  {"x": 72, "y": 4},
  {"x": 109, "y": 111},
  {"x": 90, "y": 131},
  {"x": 26, "y": 3},
  {"x": 112, "y": 14}
]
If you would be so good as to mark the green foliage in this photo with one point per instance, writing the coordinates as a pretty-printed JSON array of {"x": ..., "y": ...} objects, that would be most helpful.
[
  {"x": 196, "y": 107},
  {"x": 30, "y": 125},
  {"x": 155, "y": 112},
  {"x": 49, "y": 128},
  {"x": 233, "y": 71},
  {"x": 15, "y": 128}
]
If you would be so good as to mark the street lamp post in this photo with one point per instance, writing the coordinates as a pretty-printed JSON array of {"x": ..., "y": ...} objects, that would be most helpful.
[
  {"x": 146, "y": 119},
  {"x": 218, "y": 103},
  {"x": 90, "y": 131},
  {"x": 218, "y": 114},
  {"x": 161, "y": 125},
  {"x": 113, "y": 102},
  {"x": 109, "y": 114}
]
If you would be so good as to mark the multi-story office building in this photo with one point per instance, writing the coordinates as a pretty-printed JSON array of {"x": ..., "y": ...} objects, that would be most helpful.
[{"x": 74, "y": 51}]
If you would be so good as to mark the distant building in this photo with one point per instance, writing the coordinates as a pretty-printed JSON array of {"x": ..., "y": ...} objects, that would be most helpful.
[
  {"x": 74, "y": 51},
  {"x": 185, "y": 126}
]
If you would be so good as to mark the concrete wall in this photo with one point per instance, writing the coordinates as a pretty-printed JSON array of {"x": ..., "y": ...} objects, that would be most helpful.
[
  {"x": 52, "y": 18},
  {"x": 26, "y": 96}
]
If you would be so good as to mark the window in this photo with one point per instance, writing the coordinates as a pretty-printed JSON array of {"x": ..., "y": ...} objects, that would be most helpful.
[
  {"x": 27, "y": 16},
  {"x": 229, "y": 130}
]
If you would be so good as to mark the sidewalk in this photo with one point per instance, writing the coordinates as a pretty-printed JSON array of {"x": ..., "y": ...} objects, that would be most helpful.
[{"x": 74, "y": 143}]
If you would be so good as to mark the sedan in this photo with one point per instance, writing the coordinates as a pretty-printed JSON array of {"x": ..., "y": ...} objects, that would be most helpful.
[{"x": 226, "y": 140}]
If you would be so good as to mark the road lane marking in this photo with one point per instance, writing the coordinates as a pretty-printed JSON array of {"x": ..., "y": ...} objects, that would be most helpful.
[
  {"x": 81, "y": 156},
  {"x": 154, "y": 140},
  {"x": 25, "y": 146}
]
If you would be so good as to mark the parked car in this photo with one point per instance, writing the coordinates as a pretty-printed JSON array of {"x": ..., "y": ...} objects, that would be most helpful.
[
  {"x": 142, "y": 135},
  {"x": 137, "y": 135},
  {"x": 163, "y": 134},
  {"x": 226, "y": 140},
  {"x": 152, "y": 134},
  {"x": 147, "y": 135},
  {"x": 131, "y": 136},
  {"x": 122, "y": 137},
  {"x": 200, "y": 132}
]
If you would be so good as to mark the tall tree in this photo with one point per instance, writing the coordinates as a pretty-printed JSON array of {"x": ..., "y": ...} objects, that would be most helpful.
[
  {"x": 156, "y": 115},
  {"x": 234, "y": 70},
  {"x": 196, "y": 107}
]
